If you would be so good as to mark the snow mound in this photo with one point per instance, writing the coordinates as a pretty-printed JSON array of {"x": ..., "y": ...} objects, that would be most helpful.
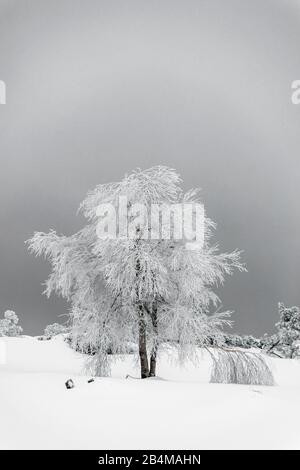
[{"x": 180, "y": 411}]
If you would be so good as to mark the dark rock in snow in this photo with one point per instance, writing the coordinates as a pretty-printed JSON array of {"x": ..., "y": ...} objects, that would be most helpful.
[{"x": 69, "y": 383}]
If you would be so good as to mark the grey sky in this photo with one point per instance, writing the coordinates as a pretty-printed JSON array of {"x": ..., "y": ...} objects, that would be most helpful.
[{"x": 97, "y": 88}]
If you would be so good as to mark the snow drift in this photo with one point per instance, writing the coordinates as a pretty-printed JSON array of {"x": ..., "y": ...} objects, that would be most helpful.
[{"x": 184, "y": 410}]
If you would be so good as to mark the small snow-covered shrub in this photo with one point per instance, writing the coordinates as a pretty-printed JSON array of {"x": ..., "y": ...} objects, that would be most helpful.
[
  {"x": 233, "y": 366},
  {"x": 9, "y": 324},
  {"x": 55, "y": 329}
]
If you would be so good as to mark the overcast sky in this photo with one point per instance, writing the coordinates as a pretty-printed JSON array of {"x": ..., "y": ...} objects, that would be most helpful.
[{"x": 96, "y": 88}]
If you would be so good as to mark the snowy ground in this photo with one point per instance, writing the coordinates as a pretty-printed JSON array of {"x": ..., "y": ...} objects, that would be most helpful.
[{"x": 179, "y": 411}]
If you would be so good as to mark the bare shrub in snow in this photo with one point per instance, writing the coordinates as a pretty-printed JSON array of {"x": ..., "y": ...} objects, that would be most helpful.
[
  {"x": 9, "y": 324},
  {"x": 142, "y": 290},
  {"x": 240, "y": 367}
]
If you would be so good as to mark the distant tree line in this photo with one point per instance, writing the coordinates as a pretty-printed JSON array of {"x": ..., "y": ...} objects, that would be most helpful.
[{"x": 285, "y": 343}]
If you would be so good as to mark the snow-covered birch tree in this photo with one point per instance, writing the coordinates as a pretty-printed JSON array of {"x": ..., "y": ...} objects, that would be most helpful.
[{"x": 150, "y": 290}]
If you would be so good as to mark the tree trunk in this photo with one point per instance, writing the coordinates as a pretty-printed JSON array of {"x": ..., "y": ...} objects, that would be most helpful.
[
  {"x": 143, "y": 345},
  {"x": 142, "y": 331},
  {"x": 153, "y": 363},
  {"x": 153, "y": 355}
]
